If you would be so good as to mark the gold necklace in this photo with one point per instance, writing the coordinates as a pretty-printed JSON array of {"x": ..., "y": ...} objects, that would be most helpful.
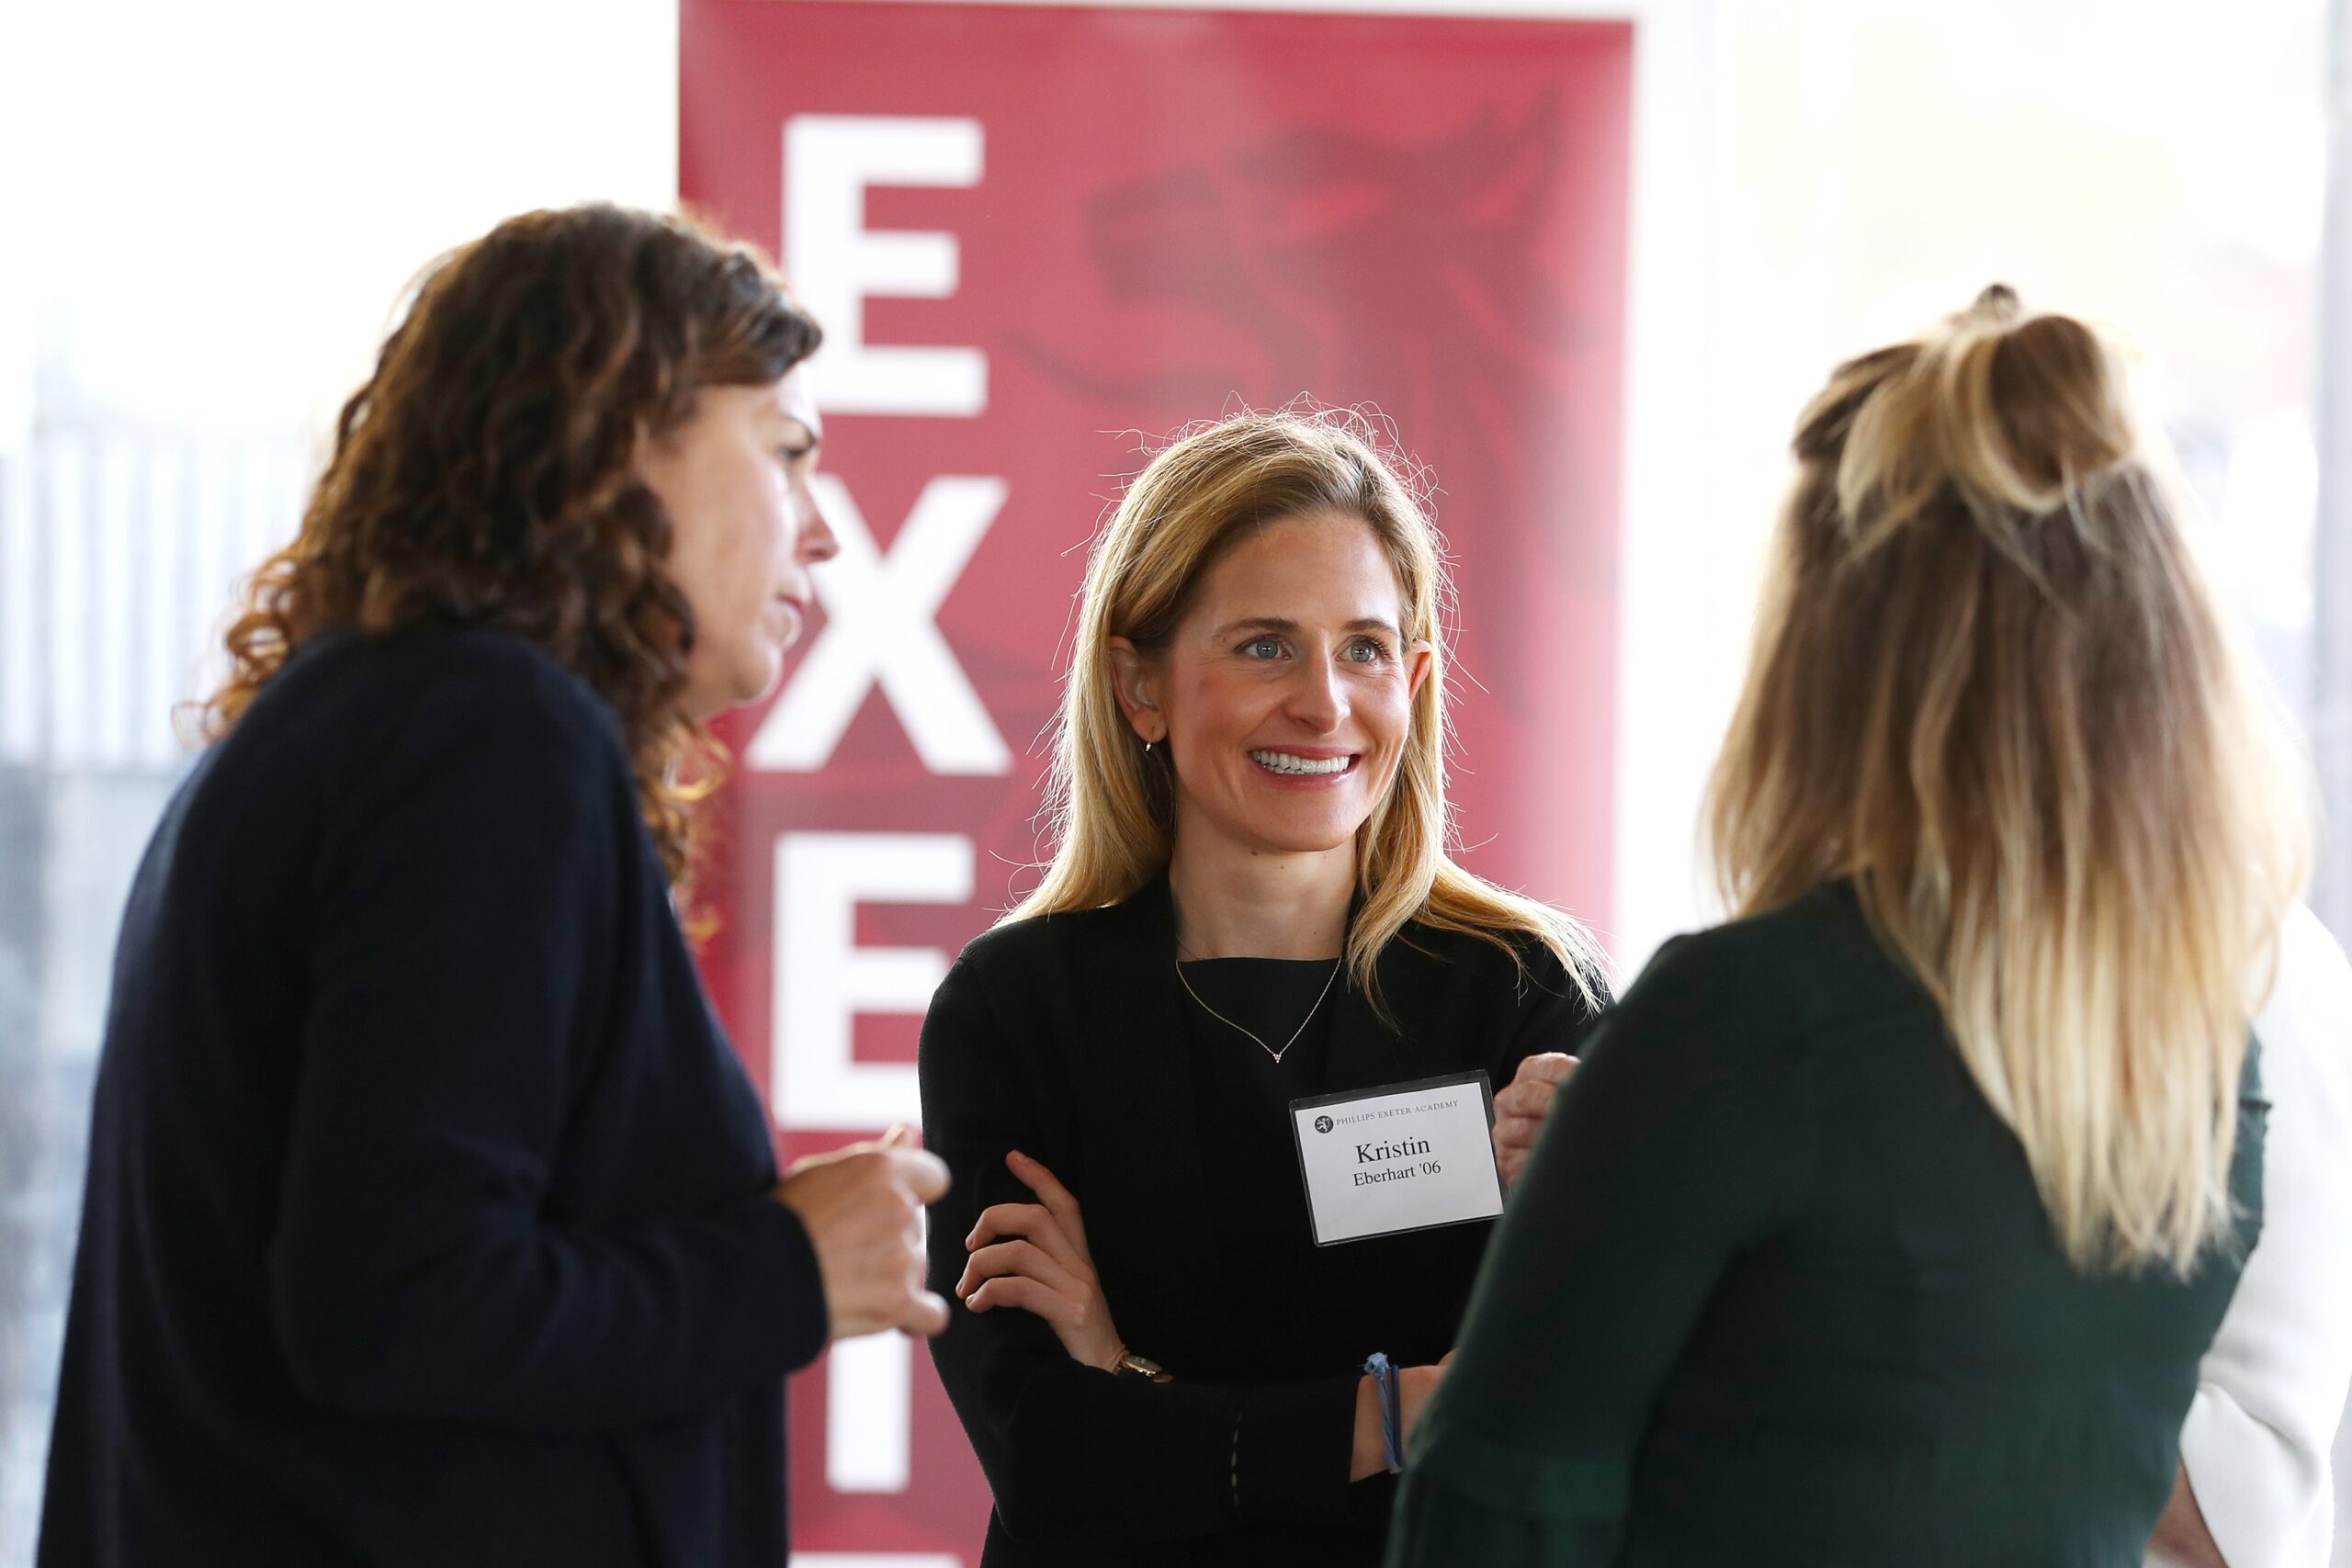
[{"x": 1252, "y": 1033}]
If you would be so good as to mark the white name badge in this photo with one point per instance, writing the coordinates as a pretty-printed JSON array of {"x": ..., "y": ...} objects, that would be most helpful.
[{"x": 1405, "y": 1157}]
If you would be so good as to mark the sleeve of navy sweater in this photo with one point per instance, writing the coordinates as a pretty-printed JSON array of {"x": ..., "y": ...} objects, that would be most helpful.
[{"x": 475, "y": 888}]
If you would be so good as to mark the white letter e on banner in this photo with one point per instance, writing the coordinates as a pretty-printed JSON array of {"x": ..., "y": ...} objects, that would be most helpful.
[{"x": 835, "y": 263}]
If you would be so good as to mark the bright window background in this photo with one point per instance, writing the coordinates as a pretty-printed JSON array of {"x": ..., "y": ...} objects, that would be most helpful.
[
  {"x": 1863, "y": 166},
  {"x": 210, "y": 211}
]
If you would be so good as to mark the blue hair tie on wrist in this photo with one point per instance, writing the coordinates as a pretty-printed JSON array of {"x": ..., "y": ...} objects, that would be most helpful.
[{"x": 1383, "y": 1374}]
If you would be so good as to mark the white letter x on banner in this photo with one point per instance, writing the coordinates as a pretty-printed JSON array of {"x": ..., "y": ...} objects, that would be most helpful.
[{"x": 878, "y": 629}]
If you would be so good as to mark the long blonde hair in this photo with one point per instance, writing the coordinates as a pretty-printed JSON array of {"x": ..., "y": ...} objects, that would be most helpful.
[
  {"x": 1991, "y": 685},
  {"x": 1110, "y": 807}
]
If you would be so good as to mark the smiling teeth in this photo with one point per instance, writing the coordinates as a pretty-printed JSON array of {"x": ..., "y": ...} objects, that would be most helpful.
[{"x": 1284, "y": 762}]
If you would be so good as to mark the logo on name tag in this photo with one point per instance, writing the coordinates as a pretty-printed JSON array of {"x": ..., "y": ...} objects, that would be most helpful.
[{"x": 1322, "y": 1123}]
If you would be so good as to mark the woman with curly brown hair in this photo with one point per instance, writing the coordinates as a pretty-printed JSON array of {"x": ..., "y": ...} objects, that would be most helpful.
[{"x": 431, "y": 1219}]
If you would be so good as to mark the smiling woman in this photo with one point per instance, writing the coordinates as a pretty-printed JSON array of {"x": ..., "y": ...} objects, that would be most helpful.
[
  {"x": 1249, "y": 904},
  {"x": 1283, "y": 697}
]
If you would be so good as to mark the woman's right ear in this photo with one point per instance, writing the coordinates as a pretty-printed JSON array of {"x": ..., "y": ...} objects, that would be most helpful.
[{"x": 1136, "y": 683}]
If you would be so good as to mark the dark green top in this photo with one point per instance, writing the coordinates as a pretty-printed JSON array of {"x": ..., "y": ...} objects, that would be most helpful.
[{"x": 1776, "y": 1289}]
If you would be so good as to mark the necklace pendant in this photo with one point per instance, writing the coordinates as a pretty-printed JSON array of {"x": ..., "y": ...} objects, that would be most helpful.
[{"x": 1255, "y": 1039}]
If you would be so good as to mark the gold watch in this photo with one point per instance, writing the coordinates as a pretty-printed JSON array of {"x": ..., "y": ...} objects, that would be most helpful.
[{"x": 1131, "y": 1364}]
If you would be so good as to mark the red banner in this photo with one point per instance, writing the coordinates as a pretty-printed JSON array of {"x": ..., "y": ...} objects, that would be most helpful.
[{"x": 1037, "y": 239}]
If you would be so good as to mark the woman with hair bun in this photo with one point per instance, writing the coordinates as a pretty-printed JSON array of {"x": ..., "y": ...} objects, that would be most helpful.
[
  {"x": 1886, "y": 1224},
  {"x": 431, "y": 1220}
]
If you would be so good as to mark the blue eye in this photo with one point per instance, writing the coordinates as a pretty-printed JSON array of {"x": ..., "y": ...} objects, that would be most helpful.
[
  {"x": 1366, "y": 651},
  {"x": 1263, "y": 647}
]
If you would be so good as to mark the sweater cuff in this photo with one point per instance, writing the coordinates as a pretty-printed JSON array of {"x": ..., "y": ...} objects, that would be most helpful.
[
  {"x": 795, "y": 1285},
  {"x": 1293, "y": 1444}
]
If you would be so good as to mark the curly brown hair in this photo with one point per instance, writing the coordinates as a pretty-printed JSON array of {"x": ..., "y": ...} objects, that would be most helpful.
[{"x": 484, "y": 474}]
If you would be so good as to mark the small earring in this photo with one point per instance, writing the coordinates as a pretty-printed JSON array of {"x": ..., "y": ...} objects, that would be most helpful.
[{"x": 1147, "y": 746}]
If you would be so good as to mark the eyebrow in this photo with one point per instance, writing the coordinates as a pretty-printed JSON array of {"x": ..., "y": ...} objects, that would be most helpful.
[{"x": 1276, "y": 623}]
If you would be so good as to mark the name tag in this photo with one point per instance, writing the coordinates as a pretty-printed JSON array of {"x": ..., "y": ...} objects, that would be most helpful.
[{"x": 1406, "y": 1158}]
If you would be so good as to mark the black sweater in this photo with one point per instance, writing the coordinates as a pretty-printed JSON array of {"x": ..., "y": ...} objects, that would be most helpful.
[
  {"x": 1067, "y": 1038},
  {"x": 427, "y": 1220}
]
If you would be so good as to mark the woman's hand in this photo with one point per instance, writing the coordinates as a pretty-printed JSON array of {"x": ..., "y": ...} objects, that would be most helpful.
[
  {"x": 862, "y": 1207},
  {"x": 1520, "y": 1109},
  {"x": 1414, "y": 1386},
  {"x": 1034, "y": 1257}
]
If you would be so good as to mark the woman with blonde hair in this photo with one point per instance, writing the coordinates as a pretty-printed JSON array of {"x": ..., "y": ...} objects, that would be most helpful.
[
  {"x": 1249, "y": 904},
  {"x": 1886, "y": 1224}
]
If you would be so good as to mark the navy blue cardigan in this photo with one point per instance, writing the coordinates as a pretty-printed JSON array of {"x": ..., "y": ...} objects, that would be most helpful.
[{"x": 428, "y": 1217}]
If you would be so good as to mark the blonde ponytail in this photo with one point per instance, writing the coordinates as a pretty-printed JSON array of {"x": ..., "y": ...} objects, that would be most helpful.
[{"x": 1991, "y": 685}]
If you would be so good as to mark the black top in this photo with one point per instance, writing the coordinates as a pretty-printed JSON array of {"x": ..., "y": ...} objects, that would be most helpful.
[
  {"x": 427, "y": 1220},
  {"x": 1777, "y": 1289},
  {"x": 1071, "y": 1039},
  {"x": 1254, "y": 1190}
]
